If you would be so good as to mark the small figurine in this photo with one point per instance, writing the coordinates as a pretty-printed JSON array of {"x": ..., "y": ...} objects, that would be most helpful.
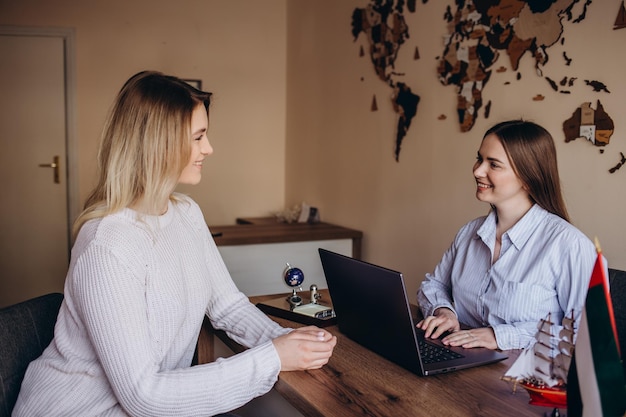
[{"x": 314, "y": 294}]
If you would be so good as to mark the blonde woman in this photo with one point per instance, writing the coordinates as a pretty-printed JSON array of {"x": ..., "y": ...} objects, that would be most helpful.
[{"x": 144, "y": 273}]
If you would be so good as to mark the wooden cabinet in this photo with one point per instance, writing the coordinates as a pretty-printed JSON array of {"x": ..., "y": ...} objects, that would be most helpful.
[{"x": 257, "y": 250}]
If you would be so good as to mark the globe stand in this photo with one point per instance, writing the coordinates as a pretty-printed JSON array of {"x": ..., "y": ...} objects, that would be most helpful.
[
  {"x": 294, "y": 299},
  {"x": 293, "y": 277}
]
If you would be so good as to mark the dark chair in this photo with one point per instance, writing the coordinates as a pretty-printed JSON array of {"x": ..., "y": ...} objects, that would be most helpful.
[
  {"x": 617, "y": 283},
  {"x": 26, "y": 329}
]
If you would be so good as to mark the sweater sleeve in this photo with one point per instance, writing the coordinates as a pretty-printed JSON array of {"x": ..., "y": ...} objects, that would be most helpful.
[
  {"x": 231, "y": 311},
  {"x": 110, "y": 299}
]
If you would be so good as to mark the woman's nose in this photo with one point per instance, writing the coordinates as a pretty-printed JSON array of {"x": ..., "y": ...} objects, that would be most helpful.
[
  {"x": 206, "y": 148},
  {"x": 479, "y": 170}
]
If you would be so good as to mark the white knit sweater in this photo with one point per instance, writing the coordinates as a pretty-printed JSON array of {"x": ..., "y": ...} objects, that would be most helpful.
[{"x": 136, "y": 293}]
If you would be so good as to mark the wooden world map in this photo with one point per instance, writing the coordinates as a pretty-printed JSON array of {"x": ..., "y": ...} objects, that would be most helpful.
[{"x": 477, "y": 33}]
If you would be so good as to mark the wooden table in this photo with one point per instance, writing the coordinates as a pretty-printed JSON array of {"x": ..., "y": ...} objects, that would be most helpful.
[{"x": 358, "y": 382}]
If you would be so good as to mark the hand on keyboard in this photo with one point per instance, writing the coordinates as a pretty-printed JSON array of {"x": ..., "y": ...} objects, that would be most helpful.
[{"x": 441, "y": 321}]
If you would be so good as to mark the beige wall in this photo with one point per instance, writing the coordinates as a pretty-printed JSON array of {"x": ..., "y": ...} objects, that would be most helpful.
[
  {"x": 237, "y": 48},
  {"x": 292, "y": 122},
  {"x": 340, "y": 154}
]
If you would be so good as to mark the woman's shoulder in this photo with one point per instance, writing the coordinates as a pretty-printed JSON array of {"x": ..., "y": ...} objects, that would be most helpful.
[
  {"x": 117, "y": 230},
  {"x": 114, "y": 239},
  {"x": 558, "y": 225},
  {"x": 561, "y": 234}
]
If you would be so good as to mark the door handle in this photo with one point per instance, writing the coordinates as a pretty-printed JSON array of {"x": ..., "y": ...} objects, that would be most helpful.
[{"x": 55, "y": 168}]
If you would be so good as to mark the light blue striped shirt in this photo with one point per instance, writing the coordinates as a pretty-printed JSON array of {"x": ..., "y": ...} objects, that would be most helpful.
[{"x": 544, "y": 267}]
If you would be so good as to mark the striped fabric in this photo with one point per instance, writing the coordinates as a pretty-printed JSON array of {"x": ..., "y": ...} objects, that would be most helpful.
[{"x": 544, "y": 267}]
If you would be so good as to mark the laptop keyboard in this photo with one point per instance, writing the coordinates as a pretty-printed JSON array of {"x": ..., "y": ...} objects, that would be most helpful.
[{"x": 432, "y": 353}]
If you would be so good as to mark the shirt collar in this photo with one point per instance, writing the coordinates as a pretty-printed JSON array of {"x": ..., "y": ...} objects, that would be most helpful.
[{"x": 520, "y": 232}]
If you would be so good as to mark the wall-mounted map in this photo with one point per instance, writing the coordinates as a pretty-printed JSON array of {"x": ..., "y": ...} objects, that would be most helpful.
[
  {"x": 383, "y": 24},
  {"x": 595, "y": 125},
  {"x": 620, "y": 20},
  {"x": 478, "y": 31}
]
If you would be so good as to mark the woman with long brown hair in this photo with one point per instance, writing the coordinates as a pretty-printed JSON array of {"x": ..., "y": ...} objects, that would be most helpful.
[{"x": 524, "y": 260}]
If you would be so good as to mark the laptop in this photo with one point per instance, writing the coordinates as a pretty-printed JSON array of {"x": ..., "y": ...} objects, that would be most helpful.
[{"x": 372, "y": 308}]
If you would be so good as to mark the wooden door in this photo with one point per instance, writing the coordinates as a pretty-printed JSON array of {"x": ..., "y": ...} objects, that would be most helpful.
[{"x": 34, "y": 240}]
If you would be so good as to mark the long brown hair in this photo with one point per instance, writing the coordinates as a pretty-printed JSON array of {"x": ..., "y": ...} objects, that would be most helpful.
[
  {"x": 531, "y": 150},
  {"x": 145, "y": 145}
]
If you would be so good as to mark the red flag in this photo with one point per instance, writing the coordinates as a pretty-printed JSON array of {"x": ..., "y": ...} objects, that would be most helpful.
[{"x": 595, "y": 384}]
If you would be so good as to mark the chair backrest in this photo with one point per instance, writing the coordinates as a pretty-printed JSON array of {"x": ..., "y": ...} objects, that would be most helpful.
[
  {"x": 617, "y": 283},
  {"x": 26, "y": 329}
]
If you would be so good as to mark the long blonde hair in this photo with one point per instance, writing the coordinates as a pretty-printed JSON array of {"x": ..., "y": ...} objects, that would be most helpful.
[{"x": 145, "y": 145}]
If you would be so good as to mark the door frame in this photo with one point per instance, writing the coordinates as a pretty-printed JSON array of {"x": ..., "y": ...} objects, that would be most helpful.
[{"x": 71, "y": 166}]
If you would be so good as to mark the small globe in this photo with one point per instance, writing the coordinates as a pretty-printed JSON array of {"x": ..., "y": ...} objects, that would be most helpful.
[{"x": 294, "y": 277}]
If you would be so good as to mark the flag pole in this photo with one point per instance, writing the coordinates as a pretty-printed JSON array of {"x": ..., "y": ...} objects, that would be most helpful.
[
  {"x": 607, "y": 293},
  {"x": 597, "y": 243}
]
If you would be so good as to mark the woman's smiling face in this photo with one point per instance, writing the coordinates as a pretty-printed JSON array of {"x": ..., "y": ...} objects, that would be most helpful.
[
  {"x": 200, "y": 147},
  {"x": 496, "y": 180}
]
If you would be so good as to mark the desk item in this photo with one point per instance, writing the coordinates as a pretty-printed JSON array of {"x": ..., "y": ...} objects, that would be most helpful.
[
  {"x": 293, "y": 277},
  {"x": 542, "y": 369},
  {"x": 315, "y": 310},
  {"x": 320, "y": 314},
  {"x": 315, "y": 295},
  {"x": 373, "y": 309}
]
